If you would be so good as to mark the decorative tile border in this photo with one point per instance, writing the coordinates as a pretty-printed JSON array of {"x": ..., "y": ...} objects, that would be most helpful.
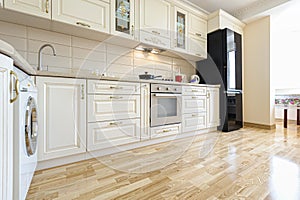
[{"x": 288, "y": 100}]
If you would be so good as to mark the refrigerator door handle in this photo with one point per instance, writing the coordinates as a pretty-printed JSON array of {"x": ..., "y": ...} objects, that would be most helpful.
[{"x": 234, "y": 92}]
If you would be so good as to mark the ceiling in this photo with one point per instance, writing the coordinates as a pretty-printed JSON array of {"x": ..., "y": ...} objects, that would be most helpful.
[
  {"x": 244, "y": 10},
  {"x": 227, "y": 5}
]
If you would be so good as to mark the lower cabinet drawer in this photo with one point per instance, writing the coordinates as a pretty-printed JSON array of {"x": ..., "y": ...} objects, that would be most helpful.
[
  {"x": 113, "y": 107},
  {"x": 192, "y": 104},
  {"x": 193, "y": 122},
  {"x": 163, "y": 131},
  {"x": 104, "y": 135}
]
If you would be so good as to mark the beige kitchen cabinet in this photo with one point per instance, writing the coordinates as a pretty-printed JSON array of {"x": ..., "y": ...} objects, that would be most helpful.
[
  {"x": 123, "y": 18},
  {"x": 221, "y": 20},
  {"x": 155, "y": 23},
  {"x": 112, "y": 87},
  {"x": 193, "y": 91},
  {"x": 194, "y": 103},
  {"x": 40, "y": 8},
  {"x": 194, "y": 108},
  {"x": 61, "y": 116},
  {"x": 89, "y": 14},
  {"x": 113, "y": 107},
  {"x": 197, "y": 26},
  {"x": 213, "y": 107},
  {"x": 109, "y": 134},
  {"x": 163, "y": 131},
  {"x": 6, "y": 130},
  {"x": 1, "y": 3},
  {"x": 145, "y": 111},
  {"x": 180, "y": 29},
  {"x": 197, "y": 44},
  {"x": 114, "y": 114},
  {"x": 193, "y": 121}
]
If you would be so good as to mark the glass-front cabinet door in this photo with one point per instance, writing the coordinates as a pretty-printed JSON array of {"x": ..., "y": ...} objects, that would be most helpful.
[
  {"x": 180, "y": 34},
  {"x": 122, "y": 23}
]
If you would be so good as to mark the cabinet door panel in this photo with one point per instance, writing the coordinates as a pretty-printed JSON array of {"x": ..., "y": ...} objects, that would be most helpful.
[
  {"x": 6, "y": 129},
  {"x": 191, "y": 91},
  {"x": 213, "y": 107},
  {"x": 164, "y": 131},
  {"x": 197, "y": 46},
  {"x": 112, "y": 87},
  {"x": 180, "y": 30},
  {"x": 122, "y": 18},
  {"x": 62, "y": 117},
  {"x": 191, "y": 104},
  {"x": 113, "y": 133},
  {"x": 155, "y": 17},
  {"x": 145, "y": 111},
  {"x": 197, "y": 26},
  {"x": 89, "y": 14},
  {"x": 41, "y": 8},
  {"x": 113, "y": 107},
  {"x": 193, "y": 122}
]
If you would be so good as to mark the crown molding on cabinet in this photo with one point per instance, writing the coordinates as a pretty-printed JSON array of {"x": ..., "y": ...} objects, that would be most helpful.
[{"x": 256, "y": 8}]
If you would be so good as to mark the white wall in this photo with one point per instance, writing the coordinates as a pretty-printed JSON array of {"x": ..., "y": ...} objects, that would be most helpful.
[
  {"x": 258, "y": 92},
  {"x": 286, "y": 42}
]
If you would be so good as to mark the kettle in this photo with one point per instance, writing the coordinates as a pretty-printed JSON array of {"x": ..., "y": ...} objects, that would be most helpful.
[{"x": 195, "y": 79}]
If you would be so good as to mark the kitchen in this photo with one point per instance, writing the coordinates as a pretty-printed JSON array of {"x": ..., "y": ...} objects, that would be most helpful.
[{"x": 100, "y": 105}]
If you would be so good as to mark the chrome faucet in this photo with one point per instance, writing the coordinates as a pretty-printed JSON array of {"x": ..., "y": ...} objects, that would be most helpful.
[{"x": 40, "y": 55}]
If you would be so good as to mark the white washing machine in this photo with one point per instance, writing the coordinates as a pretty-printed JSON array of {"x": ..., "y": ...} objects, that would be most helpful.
[{"x": 25, "y": 135}]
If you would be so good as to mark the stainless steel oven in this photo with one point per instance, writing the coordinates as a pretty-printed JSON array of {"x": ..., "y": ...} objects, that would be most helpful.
[{"x": 165, "y": 104}]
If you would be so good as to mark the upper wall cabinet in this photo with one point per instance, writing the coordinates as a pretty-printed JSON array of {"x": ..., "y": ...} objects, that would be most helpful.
[
  {"x": 155, "y": 22},
  {"x": 122, "y": 18},
  {"x": 41, "y": 8},
  {"x": 180, "y": 29},
  {"x": 86, "y": 13},
  {"x": 197, "y": 36},
  {"x": 197, "y": 26}
]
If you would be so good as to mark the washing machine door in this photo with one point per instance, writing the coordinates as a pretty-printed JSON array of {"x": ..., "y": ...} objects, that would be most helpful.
[{"x": 31, "y": 127}]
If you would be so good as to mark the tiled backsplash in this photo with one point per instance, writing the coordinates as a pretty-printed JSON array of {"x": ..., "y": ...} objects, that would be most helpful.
[{"x": 74, "y": 53}]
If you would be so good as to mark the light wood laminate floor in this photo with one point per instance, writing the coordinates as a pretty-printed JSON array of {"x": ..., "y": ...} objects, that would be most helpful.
[{"x": 247, "y": 164}]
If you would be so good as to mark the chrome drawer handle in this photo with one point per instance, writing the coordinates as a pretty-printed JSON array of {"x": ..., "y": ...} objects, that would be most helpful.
[
  {"x": 198, "y": 34},
  {"x": 83, "y": 24}
]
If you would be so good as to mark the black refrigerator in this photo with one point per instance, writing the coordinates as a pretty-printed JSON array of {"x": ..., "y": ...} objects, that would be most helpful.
[{"x": 224, "y": 66}]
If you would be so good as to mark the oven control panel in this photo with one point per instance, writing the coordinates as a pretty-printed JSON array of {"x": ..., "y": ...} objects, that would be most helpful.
[{"x": 166, "y": 88}]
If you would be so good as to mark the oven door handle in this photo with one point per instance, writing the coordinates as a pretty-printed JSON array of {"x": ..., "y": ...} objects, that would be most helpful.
[{"x": 167, "y": 95}]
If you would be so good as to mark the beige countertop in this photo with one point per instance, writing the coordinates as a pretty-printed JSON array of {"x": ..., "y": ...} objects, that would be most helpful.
[{"x": 86, "y": 75}]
